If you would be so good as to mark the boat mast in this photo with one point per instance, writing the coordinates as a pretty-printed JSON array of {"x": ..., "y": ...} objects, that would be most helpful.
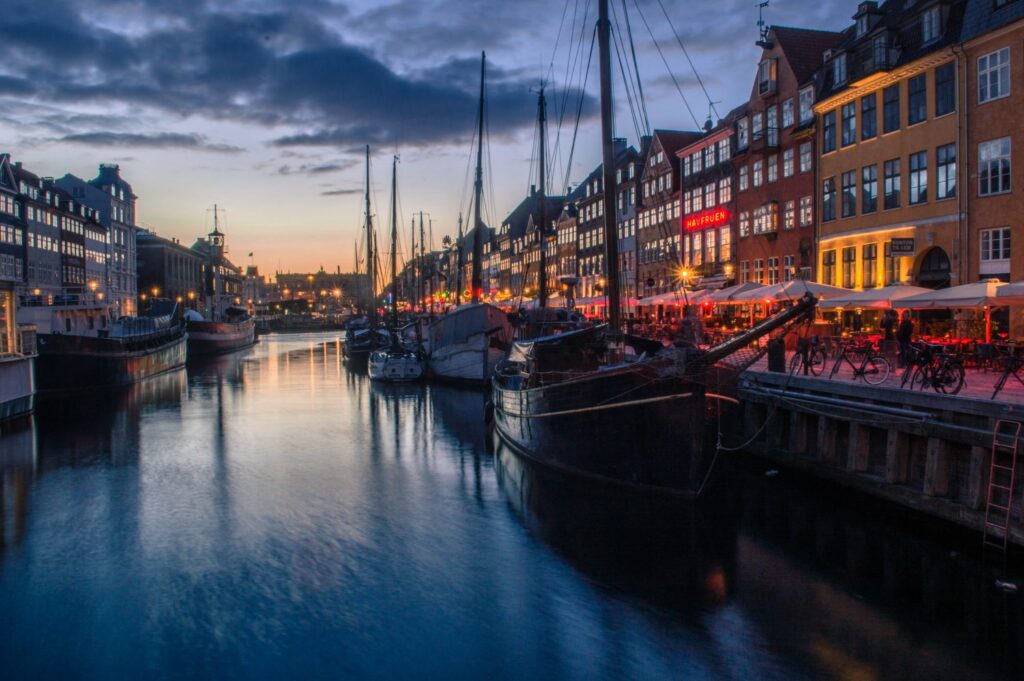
[
  {"x": 412, "y": 268},
  {"x": 372, "y": 290},
  {"x": 542, "y": 294},
  {"x": 394, "y": 243},
  {"x": 423, "y": 279},
  {"x": 478, "y": 237},
  {"x": 611, "y": 237},
  {"x": 458, "y": 260}
]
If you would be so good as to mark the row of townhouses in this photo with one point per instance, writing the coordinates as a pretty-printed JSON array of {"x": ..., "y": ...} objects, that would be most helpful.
[{"x": 880, "y": 153}]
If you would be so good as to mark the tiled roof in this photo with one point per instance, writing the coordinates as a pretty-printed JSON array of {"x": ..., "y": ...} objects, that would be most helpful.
[
  {"x": 804, "y": 47},
  {"x": 674, "y": 140},
  {"x": 981, "y": 17}
]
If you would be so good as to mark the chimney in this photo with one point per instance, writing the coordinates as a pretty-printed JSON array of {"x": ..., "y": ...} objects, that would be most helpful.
[
  {"x": 620, "y": 145},
  {"x": 533, "y": 190}
]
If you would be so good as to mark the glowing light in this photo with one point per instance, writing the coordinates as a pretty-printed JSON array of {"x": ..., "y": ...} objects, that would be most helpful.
[{"x": 714, "y": 217}]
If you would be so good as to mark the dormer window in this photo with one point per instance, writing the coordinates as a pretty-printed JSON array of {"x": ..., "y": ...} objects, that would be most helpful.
[
  {"x": 862, "y": 25},
  {"x": 931, "y": 25},
  {"x": 766, "y": 77},
  {"x": 839, "y": 69},
  {"x": 806, "y": 105}
]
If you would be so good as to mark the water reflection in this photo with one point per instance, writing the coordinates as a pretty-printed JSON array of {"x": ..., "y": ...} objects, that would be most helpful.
[{"x": 272, "y": 514}]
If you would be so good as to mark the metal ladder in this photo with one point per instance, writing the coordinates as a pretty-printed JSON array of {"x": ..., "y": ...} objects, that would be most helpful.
[{"x": 1002, "y": 475}]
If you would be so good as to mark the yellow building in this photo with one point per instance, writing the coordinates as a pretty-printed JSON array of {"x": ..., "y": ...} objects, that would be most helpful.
[{"x": 888, "y": 203}]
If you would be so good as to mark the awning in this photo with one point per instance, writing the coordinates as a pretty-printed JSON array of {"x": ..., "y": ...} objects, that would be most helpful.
[
  {"x": 673, "y": 298},
  {"x": 1011, "y": 294},
  {"x": 976, "y": 295},
  {"x": 877, "y": 298},
  {"x": 725, "y": 296}
]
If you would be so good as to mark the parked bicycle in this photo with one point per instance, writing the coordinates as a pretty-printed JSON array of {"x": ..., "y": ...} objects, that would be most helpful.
[
  {"x": 930, "y": 367},
  {"x": 872, "y": 367},
  {"x": 809, "y": 357}
]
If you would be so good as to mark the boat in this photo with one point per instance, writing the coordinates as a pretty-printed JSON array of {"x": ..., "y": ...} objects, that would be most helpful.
[
  {"x": 230, "y": 327},
  {"x": 235, "y": 330},
  {"x": 615, "y": 408},
  {"x": 81, "y": 345},
  {"x": 362, "y": 337},
  {"x": 395, "y": 362},
  {"x": 17, "y": 357},
  {"x": 468, "y": 341}
]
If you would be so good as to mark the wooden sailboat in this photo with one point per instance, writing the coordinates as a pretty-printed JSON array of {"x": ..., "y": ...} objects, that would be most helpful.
[
  {"x": 606, "y": 406},
  {"x": 395, "y": 363},
  {"x": 467, "y": 343},
  {"x": 362, "y": 335}
]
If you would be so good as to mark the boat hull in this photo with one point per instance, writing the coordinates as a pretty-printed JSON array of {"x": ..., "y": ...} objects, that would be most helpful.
[
  {"x": 625, "y": 427},
  {"x": 405, "y": 367},
  {"x": 471, "y": 362},
  {"x": 467, "y": 343},
  {"x": 17, "y": 387},
  {"x": 214, "y": 338},
  {"x": 68, "y": 362}
]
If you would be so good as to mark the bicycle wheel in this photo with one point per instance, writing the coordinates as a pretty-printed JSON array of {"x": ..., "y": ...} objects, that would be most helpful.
[
  {"x": 922, "y": 378},
  {"x": 876, "y": 370},
  {"x": 794, "y": 363},
  {"x": 949, "y": 378},
  {"x": 817, "y": 362},
  {"x": 835, "y": 367}
]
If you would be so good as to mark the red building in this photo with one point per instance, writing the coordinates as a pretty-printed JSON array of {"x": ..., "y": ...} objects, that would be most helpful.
[{"x": 775, "y": 156}]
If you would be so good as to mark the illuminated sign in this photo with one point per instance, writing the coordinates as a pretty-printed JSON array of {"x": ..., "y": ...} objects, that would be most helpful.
[{"x": 709, "y": 218}]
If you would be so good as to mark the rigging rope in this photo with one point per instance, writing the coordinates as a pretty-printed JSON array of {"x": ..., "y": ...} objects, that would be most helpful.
[
  {"x": 696, "y": 74},
  {"x": 665, "y": 61}
]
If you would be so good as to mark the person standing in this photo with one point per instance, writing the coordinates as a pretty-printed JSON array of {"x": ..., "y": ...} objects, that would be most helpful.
[{"x": 904, "y": 334}]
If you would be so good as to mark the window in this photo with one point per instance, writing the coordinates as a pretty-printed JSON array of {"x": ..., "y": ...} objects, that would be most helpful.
[
  {"x": 892, "y": 265},
  {"x": 725, "y": 190},
  {"x": 772, "y": 124},
  {"x": 766, "y": 218},
  {"x": 698, "y": 163},
  {"x": 744, "y": 178},
  {"x": 788, "y": 267},
  {"x": 686, "y": 166},
  {"x": 918, "y": 177},
  {"x": 945, "y": 89},
  {"x": 806, "y": 157},
  {"x": 773, "y": 270},
  {"x": 709, "y": 156},
  {"x": 868, "y": 116},
  {"x": 789, "y": 215},
  {"x": 759, "y": 271},
  {"x": 788, "y": 117},
  {"x": 723, "y": 151},
  {"x": 849, "y": 124},
  {"x": 724, "y": 244},
  {"x": 709, "y": 196},
  {"x": 930, "y": 25},
  {"x": 849, "y": 266},
  {"x": 917, "y": 99},
  {"x": 994, "y": 167},
  {"x": 828, "y": 267},
  {"x": 849, "y": 193},
  {"x": 687, "y": 203},
  {"x": 758, "y": 173},
  {"x": 828, "y": 132},
  {"x": 806, "y": 103},
  {"x": 757, "y": 127},
  {"x": 891, "y": 171},
  {"x": 828, "y": 199},
  {"x": 862, "y": 25},
  {"x": 869, "y": 266},
  {"x": 744, "y": 271},
  {"x": 773, "y": 168},
  {"x": 994, "y": 75},
  {"x": 744, "y": 224},
  {"x": 869, "y": 189},
  {"x": 891, "y": 108},
  {"x": 995, "y": 244},
  {"x": 742, "y": 133},
  {"x": 839, "y": 69},
  {"x": 806, "y": 211},
  {"x": 766, "y": 77},
  {"x": 788, "y": 163},
  {"x": 709, "y": 244},
  {"x": 945, "y": 163},
  {"x": 880, "y": 49}
]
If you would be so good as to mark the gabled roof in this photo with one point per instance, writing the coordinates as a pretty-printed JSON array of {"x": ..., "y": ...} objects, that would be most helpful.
[
  {"x": 672, "y": 141},
  {"x": 519, "y": 218},
  {"x": 981, "y": 17},
  {"x": 804, "y": 48}
]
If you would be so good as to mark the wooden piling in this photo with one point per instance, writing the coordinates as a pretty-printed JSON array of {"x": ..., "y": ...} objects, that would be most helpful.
[
  {"x": 897, "y": 457},
  {"x": 938, "y": 461},
  {"x": 859, "y": 453}
]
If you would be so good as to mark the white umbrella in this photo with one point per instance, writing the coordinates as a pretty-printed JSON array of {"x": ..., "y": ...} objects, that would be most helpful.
[
  {"x": 790, "y": 290},
  {"x": 879, "y": 298},
  {"x": 1011, "y": 294},
  {"x": 975, "y": 295},
  {"x": 726, "y": 295}
]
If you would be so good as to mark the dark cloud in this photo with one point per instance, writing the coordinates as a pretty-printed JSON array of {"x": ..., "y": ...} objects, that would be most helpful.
[
  {"x": 341, "y": 192},
  {"x": 319, "y": 169},
  {"x": 159, "y": 140}
]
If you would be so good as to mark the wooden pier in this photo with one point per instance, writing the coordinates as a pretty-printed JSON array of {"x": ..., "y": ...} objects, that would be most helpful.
[{"x": 924, "y": 450}]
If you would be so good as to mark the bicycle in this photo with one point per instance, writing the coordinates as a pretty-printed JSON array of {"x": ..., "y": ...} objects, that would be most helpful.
[
  {"x": 930, "y": 367},
  {"x": 873, "y": 368},
  {"x": 810, "y": 357}
]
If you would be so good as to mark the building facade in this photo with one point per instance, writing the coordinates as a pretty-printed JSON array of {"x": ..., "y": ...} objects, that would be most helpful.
[
  {"x": 775, "y": 158},
  {"x": 889, "y": 205},
  {"x": 170, "y": 270}
]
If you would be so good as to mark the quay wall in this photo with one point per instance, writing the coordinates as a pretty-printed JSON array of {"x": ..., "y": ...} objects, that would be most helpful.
[{"x": 926, "y": 451}]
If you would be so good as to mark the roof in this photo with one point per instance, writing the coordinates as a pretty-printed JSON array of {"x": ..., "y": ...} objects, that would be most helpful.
[
  {"x": 804, "y": 47},
  {"x": 981, "y": 17},
  {"x": 673, "y": 140},
  {"x": 519, "y": 218}
]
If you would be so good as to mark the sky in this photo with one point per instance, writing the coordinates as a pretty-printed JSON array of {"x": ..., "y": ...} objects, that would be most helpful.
[{"x": 264, "y": 107}]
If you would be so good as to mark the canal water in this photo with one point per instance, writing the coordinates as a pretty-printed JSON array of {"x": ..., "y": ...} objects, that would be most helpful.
[{"x": 271, "y": 515}]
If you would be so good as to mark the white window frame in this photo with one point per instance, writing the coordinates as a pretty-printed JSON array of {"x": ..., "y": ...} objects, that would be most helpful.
[
  {"x": 992, "y": 153},
  {"x": 994, "y": 69}
]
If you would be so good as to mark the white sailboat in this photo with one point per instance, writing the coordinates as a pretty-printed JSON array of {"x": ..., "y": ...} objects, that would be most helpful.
[{"x": 468, "y": 342}]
